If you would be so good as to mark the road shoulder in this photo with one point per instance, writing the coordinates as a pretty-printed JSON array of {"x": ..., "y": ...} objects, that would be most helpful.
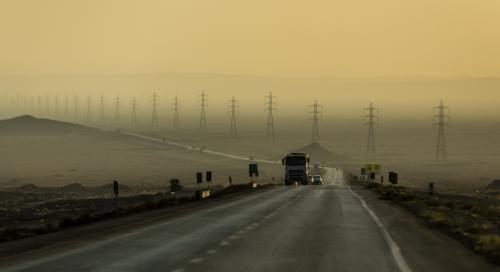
[{"x": 424, "y": 249}]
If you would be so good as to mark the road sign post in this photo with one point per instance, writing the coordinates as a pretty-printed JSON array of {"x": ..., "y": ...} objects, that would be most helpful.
[
  {"x": 209, "y": 179},
  {"x": 253, "y": 171}
]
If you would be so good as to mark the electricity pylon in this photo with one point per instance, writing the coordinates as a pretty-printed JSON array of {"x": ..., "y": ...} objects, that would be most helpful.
[
  {"x": 32, "y": 105},
  {"x": 371, "y": 118},
  {"x": 154, "y": 116},
  {"x": 75, "y": 105},
  {"x": 101, "y": 113},
  {"x": 47, "y": 104},
  {"x": 89, "y": 109},
  {"x": 66, "y": 106},
  {"x": 270, "y": 101},
  {"x": 56, "y": 106},
  {"x": 233, "y": 106},
  {"x": 441, "y": 120},
  {"x": 203, "y": 114},
  {"x": 176, "y": 106},
  {"x": 134, "y": 112},
  {"x": 117, "y": 110},
  {"x": 40, "y": 105},
  {"x": 316, "y": 111}
]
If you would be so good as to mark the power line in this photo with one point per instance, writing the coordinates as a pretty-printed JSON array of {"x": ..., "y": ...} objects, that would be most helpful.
[
  {"x": 371, "y": 117},
  {"x": 270, "y": 102},
  {"x": 316, "y": 111},
  {"x": 233, "y": 105},
  {"x": 441, "y": 120},
  {"x": 203, "y": 114},
  {"x": 176, "y": 105}
]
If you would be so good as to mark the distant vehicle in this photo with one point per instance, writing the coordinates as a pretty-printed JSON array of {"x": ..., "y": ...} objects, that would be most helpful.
[
  {"x": 296, "y": 168},
  {"x": 317, "y": 180}
]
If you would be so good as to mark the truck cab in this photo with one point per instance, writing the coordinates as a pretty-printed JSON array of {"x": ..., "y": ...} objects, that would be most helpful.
[{"x": 296, "y": 167}]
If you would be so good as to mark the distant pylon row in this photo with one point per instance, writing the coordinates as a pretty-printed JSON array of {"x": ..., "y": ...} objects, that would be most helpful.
[{"x": 441, "y": 120}]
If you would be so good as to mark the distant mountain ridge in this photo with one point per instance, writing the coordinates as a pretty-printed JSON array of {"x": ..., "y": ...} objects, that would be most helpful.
[{"x": 28, "y": 125}]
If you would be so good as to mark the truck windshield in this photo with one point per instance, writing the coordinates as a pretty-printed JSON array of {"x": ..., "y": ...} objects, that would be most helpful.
[{"x": 295, "y": 161}]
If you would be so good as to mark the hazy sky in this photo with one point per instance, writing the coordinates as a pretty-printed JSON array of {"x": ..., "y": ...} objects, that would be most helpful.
[{"x": 356, "y": 38}]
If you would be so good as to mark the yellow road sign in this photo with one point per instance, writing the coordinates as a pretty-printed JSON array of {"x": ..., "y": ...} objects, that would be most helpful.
[{"x": 373, "y": 168}]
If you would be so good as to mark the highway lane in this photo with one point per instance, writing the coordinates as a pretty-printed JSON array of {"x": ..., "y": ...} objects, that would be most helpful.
[
  {"x": 314, "y": 228},
  {"x": 303, "y": 228}
]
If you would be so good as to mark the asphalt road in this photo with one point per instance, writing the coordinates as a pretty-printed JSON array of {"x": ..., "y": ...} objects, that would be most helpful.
[{"x": 304, "y": 228}]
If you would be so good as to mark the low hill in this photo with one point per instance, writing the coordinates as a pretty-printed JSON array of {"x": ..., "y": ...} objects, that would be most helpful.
[
  {"x": 495, "y": 185},
  {"x": 319, "y": 153},
  {"x": 28, "y": 125}
]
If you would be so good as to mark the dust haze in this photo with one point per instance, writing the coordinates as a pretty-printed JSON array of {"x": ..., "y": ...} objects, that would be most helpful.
[
  {"x": 58, "y": 60},
  {"x": 405, "y": 135}
]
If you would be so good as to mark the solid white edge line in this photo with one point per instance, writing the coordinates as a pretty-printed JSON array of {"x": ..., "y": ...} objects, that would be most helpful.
[{"x": 395, "y": 249}]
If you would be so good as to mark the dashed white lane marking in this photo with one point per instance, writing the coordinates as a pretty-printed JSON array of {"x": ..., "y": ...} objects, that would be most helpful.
[
  {"x": 395, "y": 250},
  {"x": 250, "y": 228},
  {"x": 196, "y": 260},
  {"x": 211, "y": 251},
  {"x": 233, "y": 237},
  {"x": 179, "y": 270},
  {"x": 242, "y": 232},
  {"x": 224, "y": 243},
  {"x": 255, "y": 224}
]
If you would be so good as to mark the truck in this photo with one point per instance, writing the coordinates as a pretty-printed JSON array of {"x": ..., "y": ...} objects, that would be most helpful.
[{"x": 296, "y": 167}]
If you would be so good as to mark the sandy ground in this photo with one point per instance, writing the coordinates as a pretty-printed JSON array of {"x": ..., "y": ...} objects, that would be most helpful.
[
  {"x": 100, "y": 158},
  {"x": 474, "y": 156}
]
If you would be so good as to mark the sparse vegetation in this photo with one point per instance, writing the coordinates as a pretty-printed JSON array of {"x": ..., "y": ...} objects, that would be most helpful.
[
  {"x": 474, "y": 221},
  {"x": 65, "y": 214}
]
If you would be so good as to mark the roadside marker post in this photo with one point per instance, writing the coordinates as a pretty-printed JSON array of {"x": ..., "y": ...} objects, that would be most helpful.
[
  {"x": 372, "y": 176},
  {"x": 363, "y": 174},
  {"x": 393, "y": 178},
  {"x": 199, "y": 180},
  {"x": 115, "y": 190}
]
